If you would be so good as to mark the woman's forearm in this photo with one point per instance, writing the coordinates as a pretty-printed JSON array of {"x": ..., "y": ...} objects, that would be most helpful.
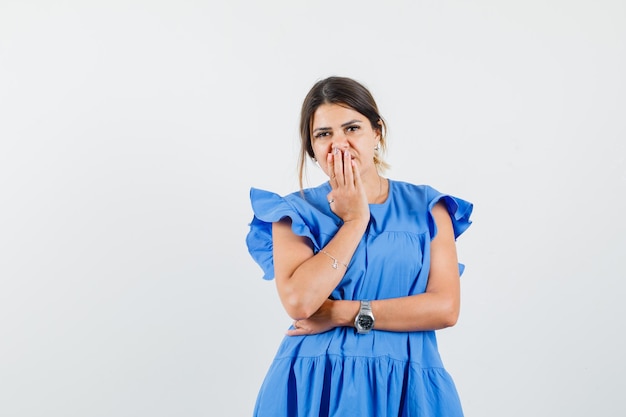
[
  {"x": 311, "y": 283},
  {"x": 428, "y": 311}
]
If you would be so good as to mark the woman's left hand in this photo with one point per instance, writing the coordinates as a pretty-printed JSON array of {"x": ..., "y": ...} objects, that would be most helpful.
[{"x": 321, "y": 321}]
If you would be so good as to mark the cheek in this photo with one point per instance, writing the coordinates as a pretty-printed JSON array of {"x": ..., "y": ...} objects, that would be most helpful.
[{"x": 320, "y": 153}]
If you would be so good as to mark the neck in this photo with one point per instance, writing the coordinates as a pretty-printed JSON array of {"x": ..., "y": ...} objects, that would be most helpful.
[{"x": 376, "y": 189}]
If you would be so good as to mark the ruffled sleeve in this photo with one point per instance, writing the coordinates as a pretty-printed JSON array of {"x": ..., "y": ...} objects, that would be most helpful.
[
  {"x": 459, "y": 210},
  {"x": 269, "y": 207}
]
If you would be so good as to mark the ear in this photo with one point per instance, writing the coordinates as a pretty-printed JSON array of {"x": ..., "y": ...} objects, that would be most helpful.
[{"x": 379, "y": 130}]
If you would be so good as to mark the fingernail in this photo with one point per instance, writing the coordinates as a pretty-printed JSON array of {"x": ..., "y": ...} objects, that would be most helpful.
[{"x": 336, "y": 150}]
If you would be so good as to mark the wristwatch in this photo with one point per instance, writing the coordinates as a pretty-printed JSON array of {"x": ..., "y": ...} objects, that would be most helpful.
[{"x": 364, "y": 321}]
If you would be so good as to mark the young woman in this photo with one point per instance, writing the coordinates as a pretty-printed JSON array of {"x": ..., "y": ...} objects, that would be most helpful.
[{"x": 366, "y": 267}]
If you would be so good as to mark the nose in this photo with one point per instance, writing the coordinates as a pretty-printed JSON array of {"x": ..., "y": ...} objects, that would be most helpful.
[{"x": 340, "y": 140}]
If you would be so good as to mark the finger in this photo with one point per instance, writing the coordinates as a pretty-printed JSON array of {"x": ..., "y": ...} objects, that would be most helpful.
[
  {"x": 330, "y": 167},
  {"x": 297, "y": 331},
  {"x": 330, "y": 198},
  {"x": 338, "y": 166},
  {"x": 348, "y": 168},
  {"x": 357, "y": 176}
]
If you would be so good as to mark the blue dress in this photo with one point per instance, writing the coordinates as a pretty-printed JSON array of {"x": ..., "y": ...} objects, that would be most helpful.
[{"x": 339, "y": 372}]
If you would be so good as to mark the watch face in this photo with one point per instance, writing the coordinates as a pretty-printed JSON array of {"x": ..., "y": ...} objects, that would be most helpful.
[{"x": 365, "y": 322}]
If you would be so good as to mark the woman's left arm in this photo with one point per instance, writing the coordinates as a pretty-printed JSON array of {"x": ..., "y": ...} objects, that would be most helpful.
[{"x": 437, "y": 308}]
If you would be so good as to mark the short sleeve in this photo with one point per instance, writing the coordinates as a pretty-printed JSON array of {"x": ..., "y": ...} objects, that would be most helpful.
[
  {"x": 459, "y": 210},
  {"x": 268, "y": 208}
]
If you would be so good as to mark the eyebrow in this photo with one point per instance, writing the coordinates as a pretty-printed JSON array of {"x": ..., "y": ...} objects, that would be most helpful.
[{"x": 325, "y": 129}]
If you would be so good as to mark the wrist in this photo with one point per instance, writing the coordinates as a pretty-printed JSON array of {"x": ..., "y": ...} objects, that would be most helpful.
[
  {"x": 344, "y": 312},
  {"x": 359, "y": 223},
  {"x": 364, "y": 321}
]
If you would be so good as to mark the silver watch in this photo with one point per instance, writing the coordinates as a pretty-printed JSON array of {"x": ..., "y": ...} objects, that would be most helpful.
[{"x": 364, "y": 321}]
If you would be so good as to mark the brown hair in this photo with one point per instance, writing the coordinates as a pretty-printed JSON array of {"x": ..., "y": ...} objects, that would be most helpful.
[{"x": 345, "y": 92}]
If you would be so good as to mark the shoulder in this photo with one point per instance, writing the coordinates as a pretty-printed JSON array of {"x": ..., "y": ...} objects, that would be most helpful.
[
  {"x": 308, "y": 209},
  {"x": 308, "y": 196},
  {"x": 309, "y": 200},
  {"x": 415, "y": 193},
  {"x": 423, "y": 198},
  {"x": 300, "y": 207}
]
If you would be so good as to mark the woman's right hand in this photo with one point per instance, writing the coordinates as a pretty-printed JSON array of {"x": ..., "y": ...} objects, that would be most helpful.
[{"x": 347, "y": 197}]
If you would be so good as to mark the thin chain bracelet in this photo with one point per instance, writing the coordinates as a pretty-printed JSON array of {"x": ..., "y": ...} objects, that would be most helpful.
[{"x": 335, "y": 261}]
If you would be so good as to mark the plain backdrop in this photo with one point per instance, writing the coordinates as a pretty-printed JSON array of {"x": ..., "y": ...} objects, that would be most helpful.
[{"x": 131, "y": 132}]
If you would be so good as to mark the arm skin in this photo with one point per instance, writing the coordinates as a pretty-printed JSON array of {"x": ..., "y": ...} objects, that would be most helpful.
[
  {"x": 306, "y": 289},
  {"x": 305, "y": 281},
  {"x": 435, "y": 309}
]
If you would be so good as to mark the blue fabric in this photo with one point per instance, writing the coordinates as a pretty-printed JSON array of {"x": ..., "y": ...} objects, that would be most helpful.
[{"x": 340, "y": 373}]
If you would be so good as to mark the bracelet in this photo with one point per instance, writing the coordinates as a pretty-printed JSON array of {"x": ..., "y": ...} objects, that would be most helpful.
[{"x": 335, "y": 261}]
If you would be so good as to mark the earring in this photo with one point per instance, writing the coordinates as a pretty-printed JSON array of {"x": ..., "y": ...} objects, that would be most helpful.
[{"x": 377, "y": 147}]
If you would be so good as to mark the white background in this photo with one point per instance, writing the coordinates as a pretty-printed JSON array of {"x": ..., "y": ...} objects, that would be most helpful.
[{"x": 131, "y": 132}]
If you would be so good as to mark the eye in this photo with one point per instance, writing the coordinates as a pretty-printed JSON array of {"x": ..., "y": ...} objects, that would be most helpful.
[
  {"x": 321, "y": 134},
  {"x": 353, "y": 128}
]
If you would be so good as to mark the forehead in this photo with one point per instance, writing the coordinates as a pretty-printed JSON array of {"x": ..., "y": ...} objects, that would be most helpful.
[{"x": 332, "y": 115}]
